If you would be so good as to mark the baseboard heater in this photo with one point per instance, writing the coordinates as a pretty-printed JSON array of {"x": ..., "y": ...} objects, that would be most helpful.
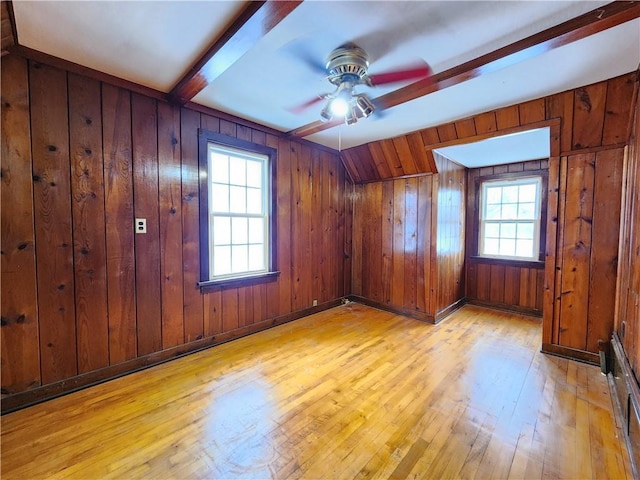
[{"x": 626, "y": 400}]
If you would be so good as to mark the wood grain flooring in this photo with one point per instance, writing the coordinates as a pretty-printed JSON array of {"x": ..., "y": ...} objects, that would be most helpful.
[{"x": 352, "y": 392}]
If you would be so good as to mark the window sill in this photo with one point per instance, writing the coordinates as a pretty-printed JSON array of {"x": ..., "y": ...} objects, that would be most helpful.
[
  {"x": 215, "y": 285},
  {"x": 538, "y": 264}
]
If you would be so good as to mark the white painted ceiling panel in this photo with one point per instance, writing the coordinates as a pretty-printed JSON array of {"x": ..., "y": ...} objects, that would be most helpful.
[
  {"x": 152, "y": 43},
  {"x": 517, "y": 147}
]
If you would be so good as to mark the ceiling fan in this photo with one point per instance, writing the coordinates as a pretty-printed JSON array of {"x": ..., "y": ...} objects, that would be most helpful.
[{"x": 347, "y": 68}]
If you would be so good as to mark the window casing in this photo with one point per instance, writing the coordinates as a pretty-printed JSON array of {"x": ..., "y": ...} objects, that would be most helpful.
[
  {"x": 237, "y": 221},
  {"x": 510, "y": 212}
]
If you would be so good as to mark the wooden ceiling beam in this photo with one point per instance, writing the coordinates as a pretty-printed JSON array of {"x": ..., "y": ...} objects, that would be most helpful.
[
  {"x": 590, "y": 23},
  {"x": 253, "y": 23}
]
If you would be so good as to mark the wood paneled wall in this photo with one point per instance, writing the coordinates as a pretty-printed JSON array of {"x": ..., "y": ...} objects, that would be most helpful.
[
  {"x": 393, "y": 259},
  {"x": 627, "y": 318},
  {"x": 589, "y": 128},
  {"x": 83, "y": 297},
  {"x": 511, "y": 285},
  {"x": 408, "y": 242},
  {"x": 451, "y": 185}
]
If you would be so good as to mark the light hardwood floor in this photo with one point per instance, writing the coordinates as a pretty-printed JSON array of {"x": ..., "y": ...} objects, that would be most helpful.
[{"x": 352, "y": 392}]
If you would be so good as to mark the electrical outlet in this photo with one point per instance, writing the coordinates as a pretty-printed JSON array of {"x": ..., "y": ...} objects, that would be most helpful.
[
  {"x": 141, "y": 225},
  {"x": 315, "y": 303}
]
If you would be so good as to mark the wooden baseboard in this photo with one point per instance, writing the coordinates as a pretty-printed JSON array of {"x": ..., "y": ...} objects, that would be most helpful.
[
  {"x": 418, "y": 315},
  {"x": 532, "y": 312},
  {"x": 445, "y": 312},
  {"x": 625, "y": 392},
  {"x": 21, "y": 400},
  {"x": 572, "y": 353}
]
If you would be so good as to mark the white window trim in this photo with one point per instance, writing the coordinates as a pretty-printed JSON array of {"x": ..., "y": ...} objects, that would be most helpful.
[
  {"x": 247, "y": 155},
  {"x": 535, "y": 179}
]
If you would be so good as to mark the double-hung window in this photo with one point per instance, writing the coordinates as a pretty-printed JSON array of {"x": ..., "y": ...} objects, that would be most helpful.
[
  {"x": 237, "y": 221},
  {"x": 510, "y": 214}
]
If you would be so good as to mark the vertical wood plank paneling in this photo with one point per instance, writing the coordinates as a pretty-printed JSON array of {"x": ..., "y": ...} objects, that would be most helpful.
[
  {"x": 386, "y": 238},
  {"x": 212, "y": 301},
  {"x": 316, "y": 214},
  {"x": 193, "y": 302},
  {"x": 87, "y": 189},
  {"x": 447, "y": 132},
  {"x": 604, "y": 252},
  {"x": 486, "y": 123},
  {"x": 118, "y": 175},
  {"x": 405, "y": 155},
  {"x": 410, "y": 243},
  {"x": 532, "y": 111},
  {"x": 20, "y": 352},
  {"x": 391, "y": 156},
  {"x": 617, "y": 109},
  {"x": 550, "y": 257},
  {"x": 397, "y": 271},
  {"x": 230, "y": 316},
  {"x": 576, "y": 251},
  {"x": 170, "y": 212},
  {"x": 424, "y": 241},
  {"x": 507, "y": 117},
  {"x": 285, "y": 204},
  {"x": 373, "y": 257},
  {"x": 357, "y": 278},
  {"x": 465, "y": 128},
  {"x": 301, "y": 232},
  {"x": 144, "y": 121},
  {"x": 349, "y": 233},
  {"x": 588, "y": 115},
  {"x": 53, "y": 224}
]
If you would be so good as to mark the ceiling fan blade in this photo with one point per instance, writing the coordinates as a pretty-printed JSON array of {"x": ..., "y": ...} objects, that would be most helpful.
[
  {"x": 414, "y": 72},
  {"x": 297, "y": 109}
]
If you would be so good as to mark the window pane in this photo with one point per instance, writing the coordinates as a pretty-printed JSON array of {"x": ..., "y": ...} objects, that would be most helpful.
[
  {"x": 238, "y": 198},
  {"x": 494, "y": 194},
  {"x": 256, "y": 230},
  {"x": 237, "y": 171},
  {"x": 525, "y": 231},
  {"x": 239, "y": 227},
  {"x": 527, "y": 211},
  {"x": 492, "y": 230},
  {"x": 219, "y": 168},
  {"x": 256, "y": 257},
  {"x": 221, "y": 260},
  {"x": 220, "y": 198},
  {"x": 509, "y": 211},
  {"x": 491, "y": 246},
  {"x": 493, "y": 212},
  {"x": 527, "y": 193},
  {"x": 507, "y": 247},
  {"x": 508, "y": 230},
  {"x": 524, "y": 248},
  {"x": 221, "y": 231},
  {"x": 254, "y": 200},
  {"x": 239, "y": 258},
  {"x": 254, "y": 174},
  {"x": 510, "y": 194}
]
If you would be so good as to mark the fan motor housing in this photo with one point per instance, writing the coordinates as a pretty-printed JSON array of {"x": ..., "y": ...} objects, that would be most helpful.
[{"x": 347, "y": 60}]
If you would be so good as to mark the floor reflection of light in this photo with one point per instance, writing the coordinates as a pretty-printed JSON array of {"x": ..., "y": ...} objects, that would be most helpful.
[{"x": 241, "y": 425}]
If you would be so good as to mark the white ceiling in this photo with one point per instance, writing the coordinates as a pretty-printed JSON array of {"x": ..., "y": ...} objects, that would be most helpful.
[
  {"x": 516, "y": 147},
  {"x": 154, "y": 43}
]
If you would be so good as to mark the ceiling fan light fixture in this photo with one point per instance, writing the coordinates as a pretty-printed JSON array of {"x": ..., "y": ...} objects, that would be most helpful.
[
  {"x": 351, "y": 116},
  {"x": 339, "y": 106},
  {"x": 325, "y": 114},
  {"x": 365, "y": 106}
]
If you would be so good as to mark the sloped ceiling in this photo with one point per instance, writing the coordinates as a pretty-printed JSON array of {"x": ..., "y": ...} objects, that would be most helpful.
[{"x": 256, "y": 60}]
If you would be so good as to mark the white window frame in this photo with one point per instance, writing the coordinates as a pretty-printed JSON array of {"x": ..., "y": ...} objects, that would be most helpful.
[
  {"x": 538, "y": 181},
  {"x": 214, "y": 148},
  {"x": 209, "y": 142}
]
